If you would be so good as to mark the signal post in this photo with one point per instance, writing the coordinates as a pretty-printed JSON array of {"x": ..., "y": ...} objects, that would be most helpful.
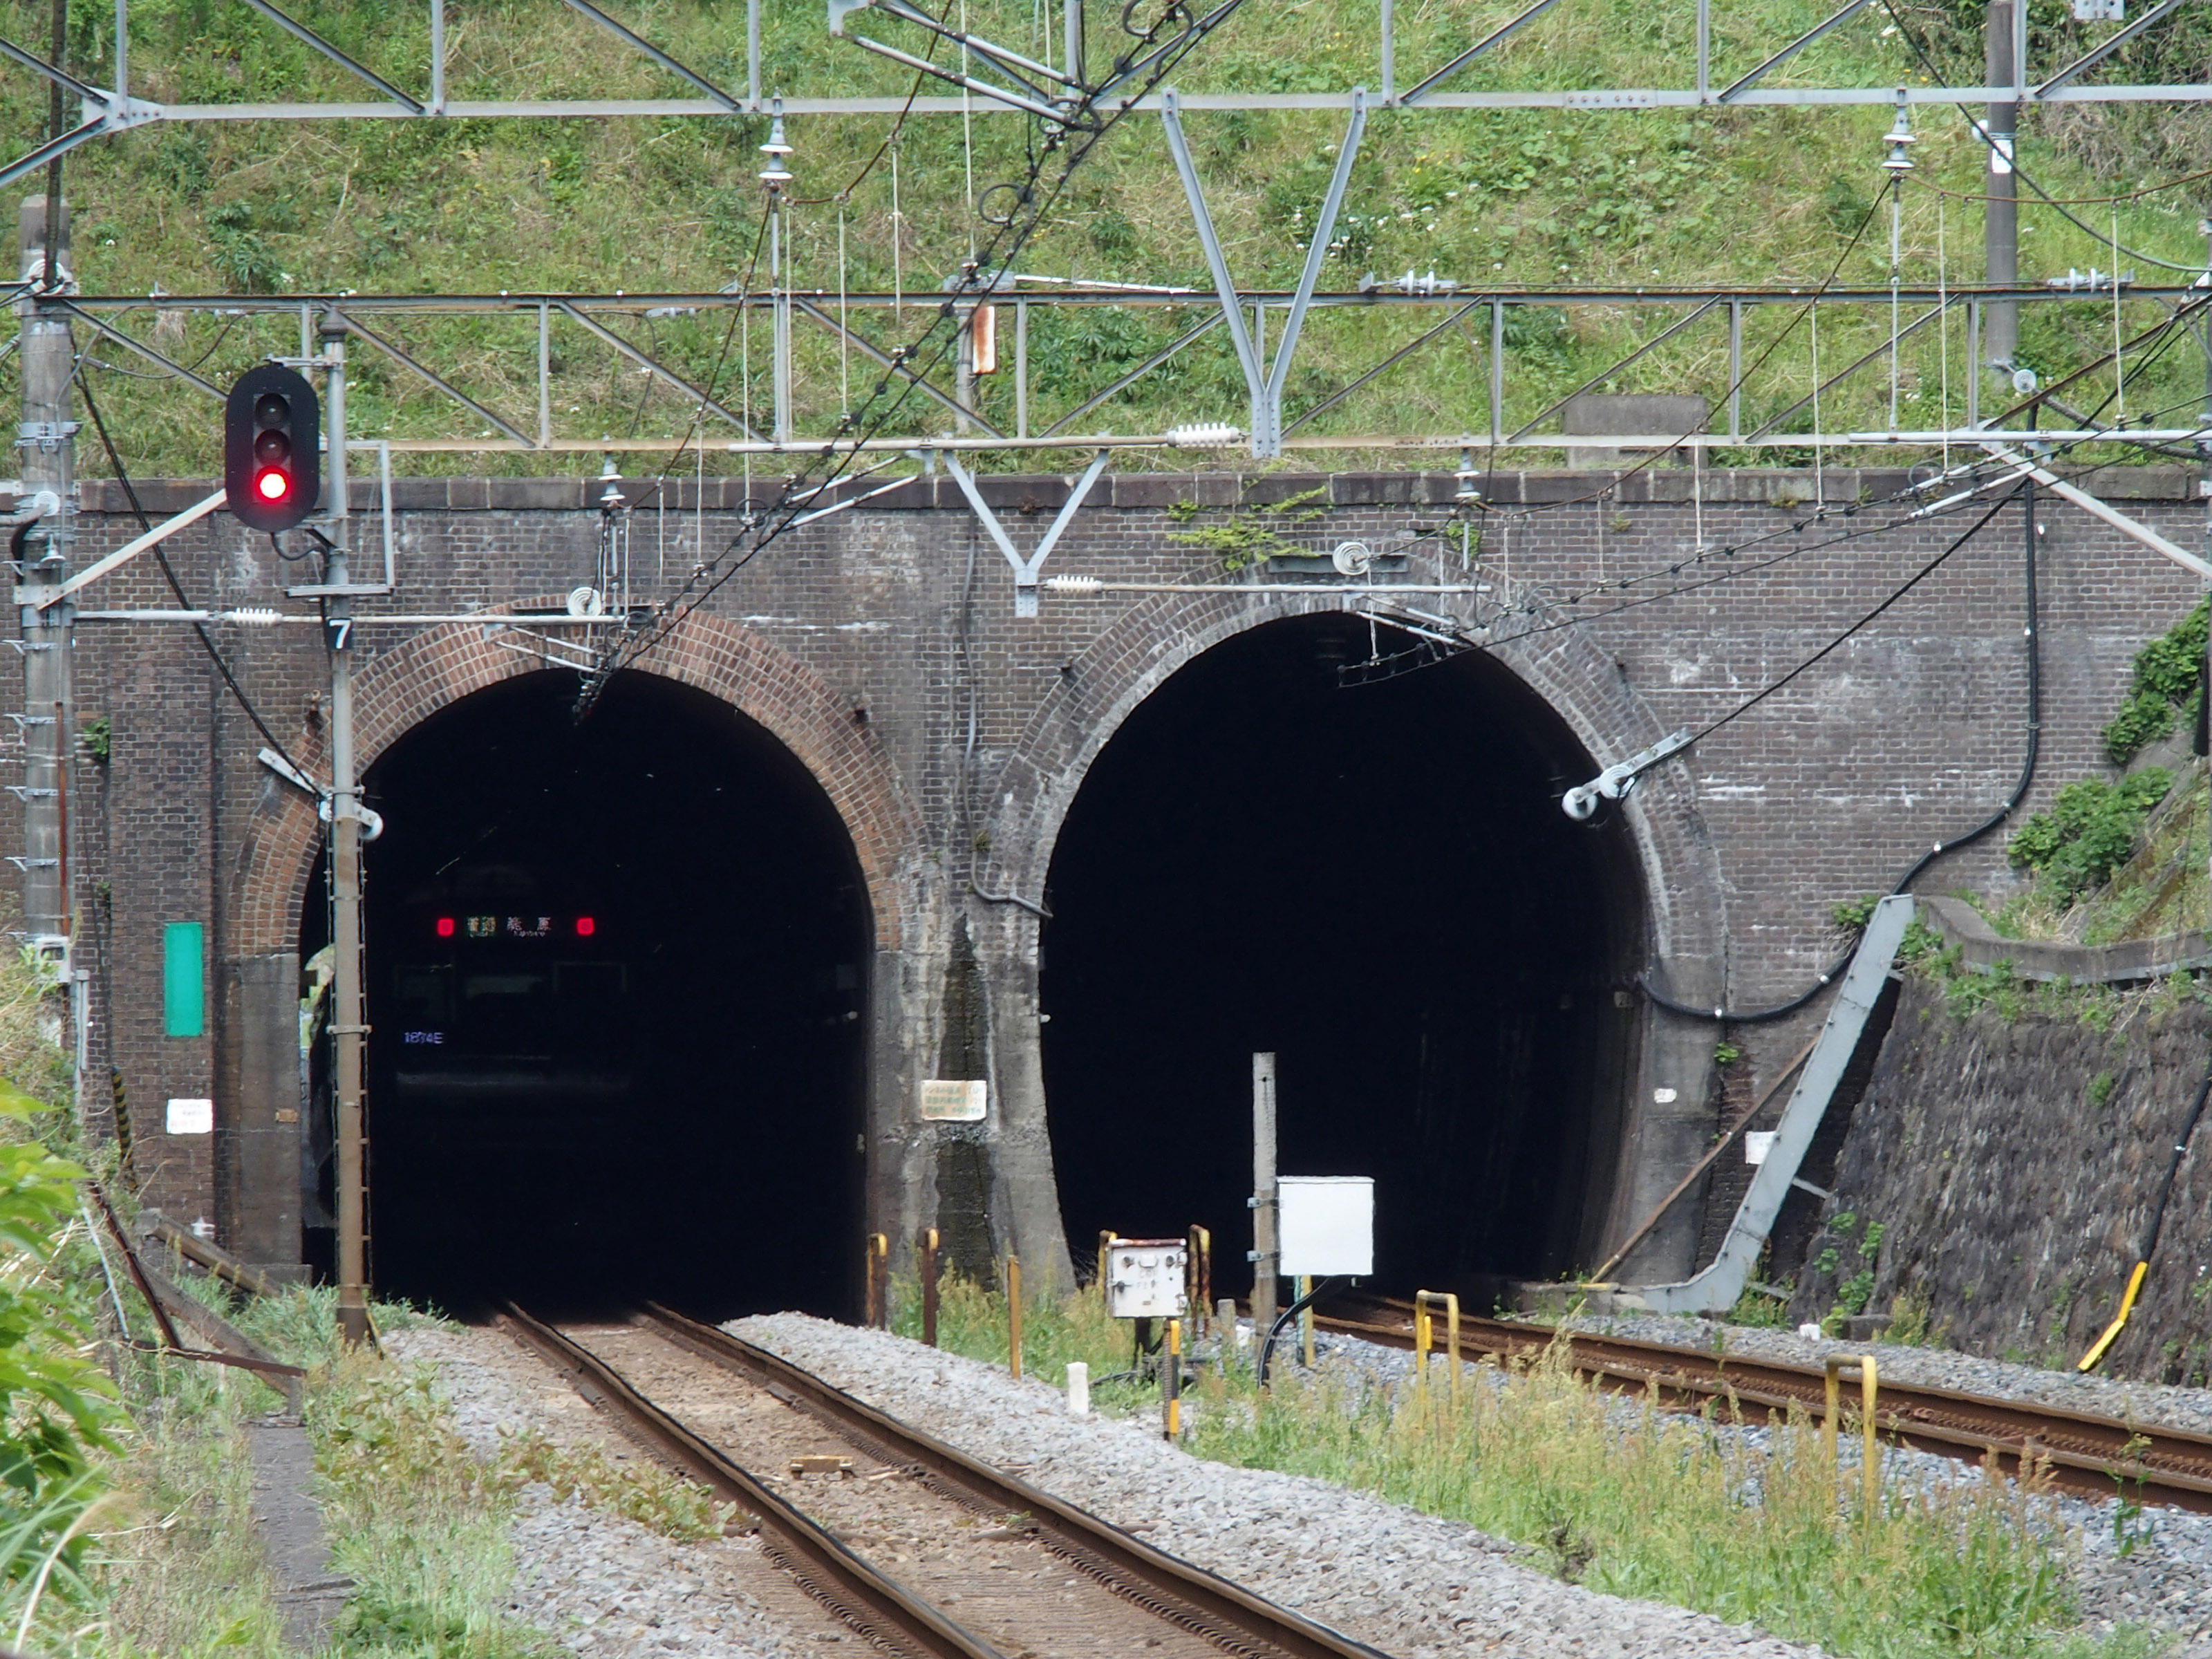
[
  {"x": 45, "y": 446},
  {"x": 348, "y": 1029}
]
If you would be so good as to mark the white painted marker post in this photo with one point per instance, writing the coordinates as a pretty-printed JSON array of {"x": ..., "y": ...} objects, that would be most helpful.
[{"x": 1078, "y": 1389}]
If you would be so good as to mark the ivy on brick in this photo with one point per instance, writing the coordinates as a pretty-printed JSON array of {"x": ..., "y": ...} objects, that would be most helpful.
[{"x": 2167, "y": 681}]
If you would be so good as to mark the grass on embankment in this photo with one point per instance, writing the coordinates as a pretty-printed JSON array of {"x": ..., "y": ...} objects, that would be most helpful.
[
  {"x": 1626, "y": 1499},
  {"x": 1508, "y": 197},
  {"x": 414, "y": 1518}
]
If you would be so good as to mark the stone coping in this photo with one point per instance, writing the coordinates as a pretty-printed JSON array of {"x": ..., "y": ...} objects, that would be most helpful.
[
  {"x": 1982, "y": 948},
  {"x": 1787, "y": 489}
]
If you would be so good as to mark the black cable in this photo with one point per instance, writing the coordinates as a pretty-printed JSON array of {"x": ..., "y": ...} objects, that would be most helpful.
[
  {"x": 115, "y": 461},
  {"x": 1283, "y": 1320},
  {"x": 2181, "y": 1141},
  {"x": 1756, "y": 1016}
]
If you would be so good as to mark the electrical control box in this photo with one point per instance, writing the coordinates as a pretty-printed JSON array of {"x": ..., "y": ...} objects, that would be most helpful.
[
  {"x": 1327, "y": 1226},
  {"x": 1144, "y": 1278}
]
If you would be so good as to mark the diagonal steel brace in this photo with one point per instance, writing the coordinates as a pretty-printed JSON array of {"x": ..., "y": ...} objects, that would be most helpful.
[
  {"x": 300, "y": 32},
  {"x": 1266, "y": 385},
  {"x": 1025, "y": 570}
]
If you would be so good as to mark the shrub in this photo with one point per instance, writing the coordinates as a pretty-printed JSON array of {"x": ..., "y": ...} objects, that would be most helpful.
[
  {"x": 2167, "y": 671},
  {"x": 2088, "y": 832}
]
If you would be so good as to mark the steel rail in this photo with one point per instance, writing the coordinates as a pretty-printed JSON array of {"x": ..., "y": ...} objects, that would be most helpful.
[
  {"x": 1189, "y": 1596},
  {"x": 2078, "y": 1452},
  {"x": 879, "y": 1607}
]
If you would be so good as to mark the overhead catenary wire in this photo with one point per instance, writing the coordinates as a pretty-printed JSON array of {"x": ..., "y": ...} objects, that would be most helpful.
[
  {"x": 2057, "y": 205},
  {"x": 1074, "y": 136},
  {"x": 1811, "y": 307},
  {"x": 2033, "y": 748}
]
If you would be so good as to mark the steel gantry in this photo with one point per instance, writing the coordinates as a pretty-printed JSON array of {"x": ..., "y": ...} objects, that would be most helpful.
[{"x": 1936, "y": 321}]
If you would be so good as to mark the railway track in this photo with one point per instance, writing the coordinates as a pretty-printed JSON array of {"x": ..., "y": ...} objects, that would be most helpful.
[
  {"x": 921, "y": 1549},
  {"x": 2090, "y": 1456}
]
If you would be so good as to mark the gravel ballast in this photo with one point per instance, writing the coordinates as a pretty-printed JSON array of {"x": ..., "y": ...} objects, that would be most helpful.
[
  {"x": 597, "y": 1583},
  {"x": 1411, "y": 1584}
]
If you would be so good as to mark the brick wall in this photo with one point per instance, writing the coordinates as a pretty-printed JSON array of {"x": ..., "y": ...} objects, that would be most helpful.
[{"x": 847, "y": 641}]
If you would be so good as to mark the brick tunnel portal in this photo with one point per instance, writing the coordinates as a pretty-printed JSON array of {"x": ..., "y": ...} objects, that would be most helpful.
[
  {"x": 616, "y": 975},
  {"x": 1375, "y": 882}
]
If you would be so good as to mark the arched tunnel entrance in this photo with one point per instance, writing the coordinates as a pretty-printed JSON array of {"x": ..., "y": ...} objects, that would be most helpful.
[
  {"x": 616, "y": 977},
  {"x": 1375, "y": 881}
]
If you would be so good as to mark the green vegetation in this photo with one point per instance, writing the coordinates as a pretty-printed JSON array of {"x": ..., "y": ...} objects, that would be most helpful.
[
  {"x": 1630, "y": 1501},
  {"x": 1508, "y": 198},
  {"x": 971, "y": 1320},
  {"x": 2088, "y": 832},
  {"x": 1252, "y": 535},
  {"x": 2166, "y": 685},
  {"x": 1658, "y": 1506},
  {"x": 126, "y": 1495}
]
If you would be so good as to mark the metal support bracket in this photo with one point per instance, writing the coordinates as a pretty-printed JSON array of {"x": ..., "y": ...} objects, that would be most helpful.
[
  {"x": 2132, "y": 528},
  {"x": 1025, "y": 570},
  {"x": 1716, "y": 1289},
  {"x": 292, "y": 774},
  {"x": 1266, "y": 385},
  {"x": 130, "y": 549},
  {"x": 1618, "y": 779}
]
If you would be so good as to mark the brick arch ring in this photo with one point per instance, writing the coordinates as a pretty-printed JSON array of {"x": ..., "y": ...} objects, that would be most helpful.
[
  {"x": 399, "y": 689},
  {"x": 1684, "y": 898}
]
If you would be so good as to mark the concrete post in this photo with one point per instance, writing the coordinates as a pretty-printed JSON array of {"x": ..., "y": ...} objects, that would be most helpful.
[
  {"x": 47, "y": 446},
  {"x": 348, "y": 1026},
  {"x": 1266, "y": 1248}
]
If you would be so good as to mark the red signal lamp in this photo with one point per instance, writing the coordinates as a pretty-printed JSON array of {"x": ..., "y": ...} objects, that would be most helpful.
[
  {"x": 445, "y": 927},
  {"x": 585, "y": 927},
  {"x": 271, "y": 470}
]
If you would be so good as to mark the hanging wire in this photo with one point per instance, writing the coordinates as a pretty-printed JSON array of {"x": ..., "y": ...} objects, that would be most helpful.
[
  {"x": 968, "y": 128},
  {"x": 1820, "y": 449},
  {"x": 1896, "y": 244},
  {"x": 1943, "y": 334},
  {"x": 2119, "y": 379},
  {"x": 1145, "y": 65},
  {"x": 844, "y": 335}
]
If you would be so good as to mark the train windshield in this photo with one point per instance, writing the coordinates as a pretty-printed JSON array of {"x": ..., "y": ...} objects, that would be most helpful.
[{"x": 510, "y": 1009}]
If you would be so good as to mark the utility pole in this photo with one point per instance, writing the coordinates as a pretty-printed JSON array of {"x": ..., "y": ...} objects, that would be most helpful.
[
  {"x": 46, "y": 449},
  {"x": 1267, "y": 1251},
  {"x": 348, "y": 1026},
  {"x": 2001, "y": 212}
]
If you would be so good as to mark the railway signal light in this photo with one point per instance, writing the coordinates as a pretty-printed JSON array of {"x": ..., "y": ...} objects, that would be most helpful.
[{"x": 270, "y": 466}]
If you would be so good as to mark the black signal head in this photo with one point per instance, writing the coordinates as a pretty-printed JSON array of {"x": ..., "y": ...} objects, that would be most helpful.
[{"x": 271, "y": 467}]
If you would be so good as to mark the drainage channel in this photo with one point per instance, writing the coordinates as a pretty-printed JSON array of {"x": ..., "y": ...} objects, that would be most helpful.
[
  {"x": 2078, "y": 1452},
  {"x": 921, "y": 1548}
]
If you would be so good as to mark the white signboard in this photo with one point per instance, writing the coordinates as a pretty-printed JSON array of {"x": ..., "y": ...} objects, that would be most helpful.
[
  {"x": 1757, "y": 1143},
  {"x": 954, "y": 1103},
  {"x": 1327, "y": 1224},
  {"x": 192, "y": 1117}
]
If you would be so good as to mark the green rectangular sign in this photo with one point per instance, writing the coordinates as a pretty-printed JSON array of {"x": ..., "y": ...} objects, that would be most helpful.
[{"x": 184, "y": 996}]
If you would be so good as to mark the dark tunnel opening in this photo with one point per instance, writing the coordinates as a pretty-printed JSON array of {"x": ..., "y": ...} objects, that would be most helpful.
[
  {"x": 1374, "y": 881},
  {"x": 616, "y": 992}
]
